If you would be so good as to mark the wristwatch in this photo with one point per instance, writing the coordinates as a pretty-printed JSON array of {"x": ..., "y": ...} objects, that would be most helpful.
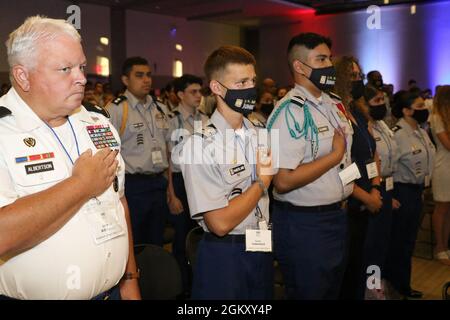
[
  {"x": 261, "y": 185},
  {"x": 132, "y": 275}
]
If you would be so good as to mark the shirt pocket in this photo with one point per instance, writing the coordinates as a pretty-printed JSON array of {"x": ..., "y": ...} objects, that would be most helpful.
[
  {"x": 322, "y": 143},
  {"x": 234, "y": 174},
  {"x": 34, "y": 168},
  {"x": 161, "y": 121},
  {"x": 137, "y": 127},
  {"x": 139, "y": 134}
]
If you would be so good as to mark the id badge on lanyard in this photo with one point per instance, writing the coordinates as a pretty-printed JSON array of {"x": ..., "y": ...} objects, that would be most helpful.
[
  {"x": 157, "y": 154},
  {"x": 103, "y": 221}
]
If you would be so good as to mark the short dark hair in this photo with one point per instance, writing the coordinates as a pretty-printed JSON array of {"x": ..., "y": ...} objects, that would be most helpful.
[
  {"x": 411, "y": 81},
  {"x": 371, "y": 74},
  {"x": 403, "y": 99},
  {"x": 220, "y": 58},
  {"x": 309, "y": 40},
  {"x": 181, "y": 83},
  {"x": 132, "y": 61}
]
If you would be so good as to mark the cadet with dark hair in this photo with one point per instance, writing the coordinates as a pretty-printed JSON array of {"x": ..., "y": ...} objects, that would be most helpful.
[
  {"x": 413, "y": 174},
  {"x": 310, "y": 226},
  {"x": 143, "y": 125}
]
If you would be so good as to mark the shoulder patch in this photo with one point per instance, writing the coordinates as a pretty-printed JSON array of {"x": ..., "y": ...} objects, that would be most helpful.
[
  {"x": 298, "y": 100},
  {"x": 207, "y": 131},
  {"x": 255, "y": 121},
  {"x": 93, "y": 108},
  {"x": 119, "y": 100},
  {"x": 396, "y": 128},
  {"x": 334, "y": 96},
  {"x": 4, "y": 111}
]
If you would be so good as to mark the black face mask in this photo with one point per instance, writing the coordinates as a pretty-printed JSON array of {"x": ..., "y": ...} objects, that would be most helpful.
[
  {"x": 240, "y": 100},
  {"x": 378, "y": 112},
  {"x": 421, "y": 116},
  {"x": 266, "y": 108},
  {"x": 357, "y": 89},
  {"x": 323, "y": 78}
]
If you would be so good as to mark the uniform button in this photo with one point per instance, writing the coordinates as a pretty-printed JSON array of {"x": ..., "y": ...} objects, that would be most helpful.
[
  {"x": 341, "y": 166},
  {"x": 109, "y": 255}
]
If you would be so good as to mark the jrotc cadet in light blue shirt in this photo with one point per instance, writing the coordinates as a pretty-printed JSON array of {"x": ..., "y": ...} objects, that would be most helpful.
[
  {"x": 143, "y": 125},
  {"x": 309, "y": 224},
  {"x": 226, "y": 185},
  {"x": 412, "y": 175},
  {"x": 184, "y": 120}
]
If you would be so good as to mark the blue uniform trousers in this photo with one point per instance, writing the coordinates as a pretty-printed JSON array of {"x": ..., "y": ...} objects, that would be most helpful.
[
  {"x": 405, "y": 225},
  {"x": 182, "y": 224},
  {"x": 310, "y": 248},
  {"x": 225, "y": 271},
  {"x": 147, "y": 200}
]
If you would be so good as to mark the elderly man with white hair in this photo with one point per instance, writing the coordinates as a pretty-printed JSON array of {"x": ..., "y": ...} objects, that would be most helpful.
[{"x": 64, "y": 221}]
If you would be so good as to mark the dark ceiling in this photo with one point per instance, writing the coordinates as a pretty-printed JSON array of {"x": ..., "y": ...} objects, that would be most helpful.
[{"x": 244, "y": 12}]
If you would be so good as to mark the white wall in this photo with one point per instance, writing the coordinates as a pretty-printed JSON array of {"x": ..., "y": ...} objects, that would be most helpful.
[{"x": 149, "y": 35}]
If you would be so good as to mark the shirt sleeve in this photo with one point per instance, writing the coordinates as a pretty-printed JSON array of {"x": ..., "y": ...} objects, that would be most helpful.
[
  {"x": 436, "y": 124},
  {"x": 202, "y": 177},
  {"x": 287, "y": 151},
  {"x": 8, "y": 193},
  {"x": 115, "y": 113}
]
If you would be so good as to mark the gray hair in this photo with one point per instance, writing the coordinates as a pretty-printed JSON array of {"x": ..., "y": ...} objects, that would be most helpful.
[{"x": 23, "y": 42}]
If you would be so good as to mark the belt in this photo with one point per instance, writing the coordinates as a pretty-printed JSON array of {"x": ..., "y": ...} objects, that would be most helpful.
[
  {"x": 411, "y": 185},
  {"x": 323, "y": 208},
  {"x": 230, "y": 238},
  {"x": 144, "y": 176}
]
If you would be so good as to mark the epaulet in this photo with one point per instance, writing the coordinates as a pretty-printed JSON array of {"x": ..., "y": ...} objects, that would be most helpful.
[
  {"x": 93, "y": 108},
  {"x": 119, "y": 100},
  {"x": 334, "y": 96},
  {"x": 173, "y": 114},
  {"x": 298, "y": 100},
  {"x": 207, "y": 132},
  {"x": 4, "y": 111},
  {"x": 155, "y": 100},
  {"x": 396, "y": 128},
  {"x": 255, "y": 121}
]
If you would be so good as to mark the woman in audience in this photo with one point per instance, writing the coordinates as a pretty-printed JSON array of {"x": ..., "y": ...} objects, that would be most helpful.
[
  {"x": 366, "y": 198},
  {"x": 412, "y": 175},
  {"x": 379, "y": 226},
  {"x": 440, "y": 128}
]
